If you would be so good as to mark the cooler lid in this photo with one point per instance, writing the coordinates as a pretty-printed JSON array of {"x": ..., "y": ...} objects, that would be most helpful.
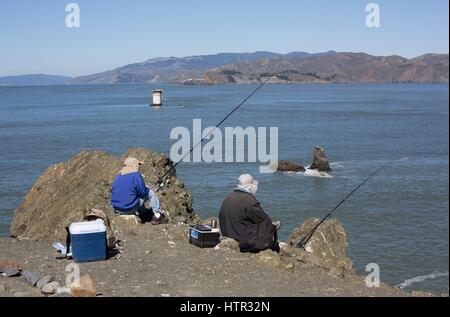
[{"x": 87, "y": 227}]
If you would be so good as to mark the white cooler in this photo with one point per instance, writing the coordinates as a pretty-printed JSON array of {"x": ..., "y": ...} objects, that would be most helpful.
[{"x": 88, "y": 240}]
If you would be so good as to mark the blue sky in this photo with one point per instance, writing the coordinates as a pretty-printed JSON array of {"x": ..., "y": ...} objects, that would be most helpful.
[{"x": 35, "y": 39}]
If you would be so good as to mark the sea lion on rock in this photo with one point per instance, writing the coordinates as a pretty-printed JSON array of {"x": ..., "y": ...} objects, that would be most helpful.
[{"x": 320, "y": 162}]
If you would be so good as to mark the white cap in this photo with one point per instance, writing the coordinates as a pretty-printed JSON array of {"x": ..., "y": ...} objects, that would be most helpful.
[
  {"x": 131, "y": 162},
  {"x": 247, "y": 179},
  {"x": 130, "y": 165}
]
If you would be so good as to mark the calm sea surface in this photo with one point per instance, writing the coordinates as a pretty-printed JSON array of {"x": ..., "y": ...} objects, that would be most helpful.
[{"x": 399, "y": 220}]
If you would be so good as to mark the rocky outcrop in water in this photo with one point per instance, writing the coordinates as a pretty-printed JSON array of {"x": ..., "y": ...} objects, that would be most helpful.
[
  {"x": 320, "y": 162},
  {"x": 66, "y": 190},
  {"x": 286, "y": 166}
]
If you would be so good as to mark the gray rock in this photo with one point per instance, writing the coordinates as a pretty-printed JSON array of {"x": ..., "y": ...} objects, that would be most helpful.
[
  {"x": 10, "y": 272},
  {"x": 227, "y": 244},
  {"x": 9, "y": 264},
  {"x": 45, "y": 280},
  {"x": 31, "y": 277},
  {"x": 50, "y": 288},
  {"x": 326, "y": 248}
]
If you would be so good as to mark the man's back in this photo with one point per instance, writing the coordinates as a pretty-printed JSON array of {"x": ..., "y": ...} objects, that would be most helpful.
[
  {"x": 238, "y": 211},
  {"x": 127, "y": 190}
]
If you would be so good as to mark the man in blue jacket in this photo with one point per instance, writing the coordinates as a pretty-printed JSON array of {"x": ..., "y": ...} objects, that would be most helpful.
[{"x": 129, "y": 194}]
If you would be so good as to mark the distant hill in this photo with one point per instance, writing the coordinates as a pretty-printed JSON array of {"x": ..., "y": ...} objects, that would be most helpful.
[
  {"x": 295, "y": 67},
  {"x": 336, "y": 68},
  {"x": 179, "y": 69},
  {"x": 33, "y": 79}
]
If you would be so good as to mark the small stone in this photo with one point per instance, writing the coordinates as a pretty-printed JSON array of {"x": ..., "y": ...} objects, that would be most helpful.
[
  {"x": 31, "y": 277},
  {"x": 85, "y": 287},
  {"x": 9, "y": 272},
  {"x": 50, "y": 288},
  {"x": 45, "y": 280},
  {"x": 165, "y": 295},
  {"x": 2, "y": 288},
  {"x": 227, "y": 244},
  {"x": 8, "y": 264}
]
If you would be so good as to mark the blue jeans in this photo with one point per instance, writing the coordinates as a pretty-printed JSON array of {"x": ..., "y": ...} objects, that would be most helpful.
[{"x": 140, "y": 207}]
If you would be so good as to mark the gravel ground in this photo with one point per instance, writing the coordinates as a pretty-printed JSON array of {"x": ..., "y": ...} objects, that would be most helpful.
[{"x": 156, "y": 262}]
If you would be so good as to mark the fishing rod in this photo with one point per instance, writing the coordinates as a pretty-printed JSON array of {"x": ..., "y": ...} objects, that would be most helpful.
[
  {"x": 302, "y": 243},
  {"x": 160, "y": 182}
]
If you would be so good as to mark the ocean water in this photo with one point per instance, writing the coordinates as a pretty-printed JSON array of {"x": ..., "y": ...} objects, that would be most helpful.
[{"x": 399, "y": 219}]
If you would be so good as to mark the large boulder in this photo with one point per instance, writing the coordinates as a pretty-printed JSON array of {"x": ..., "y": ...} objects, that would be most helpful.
[
  {"x": 320, "y": 162},
  {"x": 327, "y": 247},
  {"x": 66, "y": 190}
]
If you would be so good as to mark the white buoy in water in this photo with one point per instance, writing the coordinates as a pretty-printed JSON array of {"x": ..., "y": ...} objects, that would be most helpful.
[{"x": 157, "y": 98}]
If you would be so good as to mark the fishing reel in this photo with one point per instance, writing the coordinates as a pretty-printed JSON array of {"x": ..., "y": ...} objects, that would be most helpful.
[
  {"x": 304, "y": 241},
  {"x": 160, "y": 183}
]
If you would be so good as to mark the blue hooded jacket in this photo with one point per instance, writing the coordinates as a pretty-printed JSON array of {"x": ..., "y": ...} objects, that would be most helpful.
[{"x": 127, "y": 190}]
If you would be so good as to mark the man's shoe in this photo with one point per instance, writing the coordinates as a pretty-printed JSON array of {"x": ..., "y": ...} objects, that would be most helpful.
[
  {"x": 147, "y": 216},
  {"x": 159, "y": 221}
]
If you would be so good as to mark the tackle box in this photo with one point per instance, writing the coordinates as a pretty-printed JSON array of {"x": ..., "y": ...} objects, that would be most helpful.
[{"x": 204, "y": 236}]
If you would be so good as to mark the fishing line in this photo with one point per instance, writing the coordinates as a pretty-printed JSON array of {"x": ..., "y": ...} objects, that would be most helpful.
[
  {"x": 160, "y": 181},
  {"x": 302, "y": 243}
]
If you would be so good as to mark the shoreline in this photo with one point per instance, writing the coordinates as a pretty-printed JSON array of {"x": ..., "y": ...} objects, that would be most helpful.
[{"x": 226, "y": 84}]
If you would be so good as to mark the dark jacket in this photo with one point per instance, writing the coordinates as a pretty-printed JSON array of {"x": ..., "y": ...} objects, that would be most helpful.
[{"x": 242, "y": 218}]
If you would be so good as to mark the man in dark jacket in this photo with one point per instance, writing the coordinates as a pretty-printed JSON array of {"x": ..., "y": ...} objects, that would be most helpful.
[{"x": 243, "y": 219}]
